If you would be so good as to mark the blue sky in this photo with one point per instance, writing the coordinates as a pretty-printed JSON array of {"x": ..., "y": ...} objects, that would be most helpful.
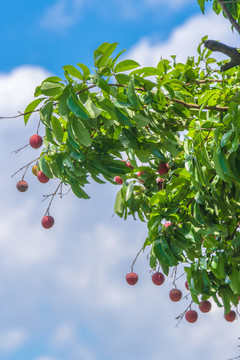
[
  {"x": 63, "y": 294},
  {"x": 54, "y": 33}
]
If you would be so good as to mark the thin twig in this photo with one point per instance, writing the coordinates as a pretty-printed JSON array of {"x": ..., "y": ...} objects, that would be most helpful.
[
  {"x": 52, "y": 195},
  {"x": 17, "y": 151},
  {"x": 24, "y": 167},
  {"x": 136, "y": 259}
]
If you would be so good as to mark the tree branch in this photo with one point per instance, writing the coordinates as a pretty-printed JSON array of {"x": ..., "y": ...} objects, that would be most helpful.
[
  {"x": 227, "y": 50},
  {"x": 229, "y": 16}
]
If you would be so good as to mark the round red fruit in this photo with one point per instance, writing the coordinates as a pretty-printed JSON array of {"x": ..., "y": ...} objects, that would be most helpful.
[
  {"x": 158, "y": 278},
  {"x": 163, "y": 168},
  {"x": 42, "y": 177},
  {"x": 167, "y": 224},
  {"x": 129, "y": 165},
  {"x": 205, "y": 306},
  {"x": 175, "y": 295},
  {"x": 118, "y": 180},
  {"x": 186, "y": 285},
  {"x": 22, "y": 186},
  {"x": 132, "y": 278},
  {"x": 35, "y": 141},
  {"x": 47, "y": 221},
  {"x": 191, "y": 316},
  {"x": 231, "y": 316}
]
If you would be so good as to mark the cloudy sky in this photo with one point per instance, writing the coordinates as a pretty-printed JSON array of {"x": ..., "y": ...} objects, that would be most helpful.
[{"x": 63, "y": 294}]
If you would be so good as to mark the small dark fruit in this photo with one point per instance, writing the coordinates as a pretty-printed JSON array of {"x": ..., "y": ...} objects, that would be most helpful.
[
  {"x": 118, "y": 180},
  {"x": 175, "y": 295},
  {"x": 47, "y": 221},
  {"x": 35, "y": 141},
  {"x": 132, "y": 278},
  {"x": 158, "y": 278},
  {"x": 191, "y": 316},
  {"x": 163, "y": 168},
  {"x": 231, "y": 316},
  {"x": 205, "y": 306},
  {"x": 42, "y": 177},
  {"x": 22, "y": 186}
]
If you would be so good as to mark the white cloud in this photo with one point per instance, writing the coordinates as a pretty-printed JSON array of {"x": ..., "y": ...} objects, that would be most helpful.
[
  {"x": 17, "y": 88},
  {"x": 12, "y": 339},
  {"x": 62, "y": 14},
  {"x": 184, "y": 40}
]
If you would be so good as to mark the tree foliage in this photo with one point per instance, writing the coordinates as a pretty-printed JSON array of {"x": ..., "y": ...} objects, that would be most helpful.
[{"x": 185, "y": 115}]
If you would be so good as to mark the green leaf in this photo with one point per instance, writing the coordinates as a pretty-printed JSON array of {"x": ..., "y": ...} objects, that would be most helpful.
[
  {"x": 103, "y": 52},
  {"x": 118, "y": 207},
  {"x": 92, "y": 109},
  {"x": 132, "y": 97},
  {"x": 235, "y": 279},
  {"x": 141, "y": 120},
  {"x": 201, "y": 3},
  {"x": 79, "y": 192},
  {"x": 57, "y": 128},
  {"x": 122, "y": 118},
  {"x": 81, "y": 132},
  {"x": 30, "y": 108},
  {"x": 76, "y": 106},
  {"x": 73, "y": 71},
  {"x": 46, "y": 113},
  {"x": 226, "y": 137},
  {"x": 44, "y": 166},
  {"x": 85, "y": 69},
  {"x": 51, "y": 88},
  {"x": 125, "y": 65}
]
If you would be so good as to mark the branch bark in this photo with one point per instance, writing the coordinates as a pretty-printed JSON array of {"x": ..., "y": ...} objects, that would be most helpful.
[
  {"x": 224, "y": 49},
  {"x": 229, "y": 16}
]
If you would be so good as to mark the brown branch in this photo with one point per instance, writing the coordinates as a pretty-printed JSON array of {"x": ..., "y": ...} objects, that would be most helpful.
[
  {"x": 229, "y": 16},
  {"x": 20, "y": 114},
  {"x": 224, "y": 49},
  {"x": 196, "y": 106},
  {"x": 203, "y": 81}
]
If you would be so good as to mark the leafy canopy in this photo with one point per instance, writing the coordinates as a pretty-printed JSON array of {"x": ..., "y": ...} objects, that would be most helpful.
[{"x": 185, "y": 115}]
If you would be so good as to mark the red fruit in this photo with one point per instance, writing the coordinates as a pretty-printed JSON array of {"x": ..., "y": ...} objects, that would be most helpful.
[
  {"x": 163, "y": 168},
  {"x": 205, "y": 306},
  {"x": 42, "y": 177},
  {"x": 186, "y": 285},
  {"x": 132, "y": 278},
  {"x": 191, "y": 316},
  {"x": 231, "y": 316},
  {"x": 118, "y": 180},
  {"x": 35, "y": 141},
  {"x": 158, "y": 278},
  {"x": 47, "y": 221},
  {"x": 175, "y": 295},
  {"x": 167, "y": 224},
  {"x": 140, "y": 173},
  {"x": 22, "y": 186},
  {"x": 159, "y": 181},
  {"x": 129, "y": 165}
]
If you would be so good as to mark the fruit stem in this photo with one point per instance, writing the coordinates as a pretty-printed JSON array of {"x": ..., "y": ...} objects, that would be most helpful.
[
  {"x": 52, "y": 197},
  {"x": 25, "y": 166},
  {"x": 136, "y": 259}
]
